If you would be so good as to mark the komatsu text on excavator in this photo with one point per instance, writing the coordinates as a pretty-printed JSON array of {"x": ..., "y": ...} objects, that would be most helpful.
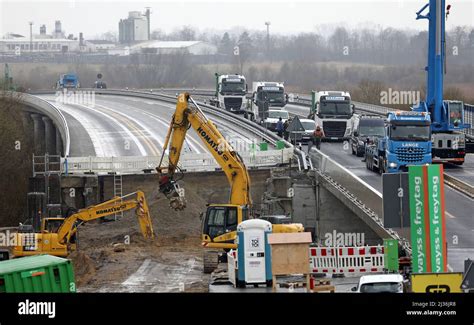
[
  {"x": 58, "y": 235},
  {"x": 220, "y": 221}
]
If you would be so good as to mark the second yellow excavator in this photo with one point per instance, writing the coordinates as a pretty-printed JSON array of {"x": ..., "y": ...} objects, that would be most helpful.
[
  {"x": 58, "y": 235},
  {"x": 219, "y": 225}
]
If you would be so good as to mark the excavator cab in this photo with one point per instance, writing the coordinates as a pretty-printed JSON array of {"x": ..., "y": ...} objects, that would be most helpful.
[
  {"x": 220, "y": 224},
  {"x": 51, "y": 225}
]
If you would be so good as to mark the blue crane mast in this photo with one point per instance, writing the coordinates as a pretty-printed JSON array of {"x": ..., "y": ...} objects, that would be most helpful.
[{"x": 447, "y": 116}]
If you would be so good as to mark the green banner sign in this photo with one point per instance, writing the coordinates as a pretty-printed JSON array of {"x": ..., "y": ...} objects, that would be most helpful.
[
  {"x": 437, "y": 220},
  {"x": 427, "y": 219},
  {"x": 417, "y": 219}
]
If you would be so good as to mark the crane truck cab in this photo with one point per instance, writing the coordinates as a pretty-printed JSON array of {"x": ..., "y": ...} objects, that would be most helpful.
[
  {"x": 407, "y": 141},
  {"x": 231, "y": 94},
  {"x": 448, "y": 141},
  {"x": 333, "y": 111}
]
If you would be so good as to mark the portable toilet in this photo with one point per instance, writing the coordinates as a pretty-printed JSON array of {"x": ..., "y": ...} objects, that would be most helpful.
[{"x": 254, "y": 253}]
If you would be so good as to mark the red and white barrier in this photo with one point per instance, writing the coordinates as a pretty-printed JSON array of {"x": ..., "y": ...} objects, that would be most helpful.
[
  {"x": 323, "y": 259},
  {"x": 341, "y": 260}
]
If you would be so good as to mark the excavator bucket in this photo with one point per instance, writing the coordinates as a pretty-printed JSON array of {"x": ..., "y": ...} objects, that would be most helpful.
[{"x": 173, "y": 192}]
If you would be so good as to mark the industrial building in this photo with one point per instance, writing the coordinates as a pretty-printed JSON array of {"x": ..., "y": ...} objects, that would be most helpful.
[
  {"x": 18, "y": 44},
  {"x": 135, "y": 28},
  {"x": 99, "y": 45},
  {"x": 56, "y": 42}
]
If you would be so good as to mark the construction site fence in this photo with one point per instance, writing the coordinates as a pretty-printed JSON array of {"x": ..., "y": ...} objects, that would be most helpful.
[{"x": 347, "y": 260}]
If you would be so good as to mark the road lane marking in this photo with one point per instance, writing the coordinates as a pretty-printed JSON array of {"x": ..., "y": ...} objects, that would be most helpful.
[
  {"x": 101, "y": 146},
  {"x": 449, "y": 215},
  {"x": 133, "y": 124},
  {"x": 127, "y": 131}
]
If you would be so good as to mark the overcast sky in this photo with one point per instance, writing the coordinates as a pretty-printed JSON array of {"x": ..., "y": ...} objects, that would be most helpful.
[{"x": 94, "y": 17}]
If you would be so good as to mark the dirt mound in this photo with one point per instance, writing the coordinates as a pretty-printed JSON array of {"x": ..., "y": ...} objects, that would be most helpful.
[{"x": 84, "y": 267}]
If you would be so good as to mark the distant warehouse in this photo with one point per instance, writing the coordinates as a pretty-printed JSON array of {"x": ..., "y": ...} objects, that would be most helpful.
[{"x": 167, "y": 47}]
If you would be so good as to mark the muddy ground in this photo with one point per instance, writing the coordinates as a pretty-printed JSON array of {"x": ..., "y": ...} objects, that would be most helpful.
[{"x": 172, "y": 262}]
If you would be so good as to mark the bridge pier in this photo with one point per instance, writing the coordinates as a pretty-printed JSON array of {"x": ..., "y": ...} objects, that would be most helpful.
[
  {"x": 59, "y": 143},
  {"x": 39, "y": 133},
  {"x": 49, "y": 136}
]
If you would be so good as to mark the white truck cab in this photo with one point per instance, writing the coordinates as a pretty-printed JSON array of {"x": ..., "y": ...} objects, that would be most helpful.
[{"x": 378, "y": 283}]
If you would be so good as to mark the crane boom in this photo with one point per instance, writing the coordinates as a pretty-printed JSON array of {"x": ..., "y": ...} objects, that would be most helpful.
[{"x": 229, "y": 160}]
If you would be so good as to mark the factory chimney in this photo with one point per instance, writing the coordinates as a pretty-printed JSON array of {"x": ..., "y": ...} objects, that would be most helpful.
[
  {"x": 147, "y": 15},
  {"x": 57, "y": 27}
]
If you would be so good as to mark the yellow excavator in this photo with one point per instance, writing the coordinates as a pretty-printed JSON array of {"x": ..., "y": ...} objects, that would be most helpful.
[
  {"x": 58, "y": 235},
  {"x": 219, "y": 226}
]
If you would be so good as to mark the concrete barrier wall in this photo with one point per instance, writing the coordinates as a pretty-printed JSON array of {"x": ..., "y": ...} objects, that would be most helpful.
[{"x": 366, "y": 193}]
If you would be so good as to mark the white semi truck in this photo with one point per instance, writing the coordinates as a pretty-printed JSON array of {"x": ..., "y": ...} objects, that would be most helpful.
[
  {"x": 333, "y": 111},
  {"x": 268, "y": 103},
  {"x": 231, "y": 94}
]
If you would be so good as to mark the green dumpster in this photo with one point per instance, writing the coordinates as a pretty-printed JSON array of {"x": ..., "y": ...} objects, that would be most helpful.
[{"x": 39, "y": 273}]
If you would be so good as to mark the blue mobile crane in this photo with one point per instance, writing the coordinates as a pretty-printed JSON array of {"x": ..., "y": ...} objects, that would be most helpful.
[{"x": 447, "y": 116}]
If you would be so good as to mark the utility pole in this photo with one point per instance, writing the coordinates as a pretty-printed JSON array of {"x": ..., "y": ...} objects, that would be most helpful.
[
  {"x": 267, "y": 23},
  {"x": 31, "y": 36}
]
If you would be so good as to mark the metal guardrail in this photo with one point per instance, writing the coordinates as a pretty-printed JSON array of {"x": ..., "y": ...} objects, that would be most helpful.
[
  {"x": 191, "y": 162},
  {"x": 51, "y": 111},
  {"x": 343, "y": 176},
  {"x": 459, "y": 185}
]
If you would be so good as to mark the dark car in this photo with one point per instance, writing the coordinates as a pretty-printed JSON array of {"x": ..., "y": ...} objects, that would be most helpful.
[
  {"x": 100, "y": 85},
  {"x": 366, "y": 128}
]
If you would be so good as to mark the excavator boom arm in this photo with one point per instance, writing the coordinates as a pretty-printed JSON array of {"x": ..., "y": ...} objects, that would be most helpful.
[
  {"x": 229, "y": 160},
  {"x": 115, "y": 205}
]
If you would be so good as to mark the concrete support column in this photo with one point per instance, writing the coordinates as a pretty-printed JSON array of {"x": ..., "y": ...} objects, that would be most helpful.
[
  {"x": 38, "y": 127},
  {"x": 59, "y": 144},
  {"x": 49, "y": 136}
]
